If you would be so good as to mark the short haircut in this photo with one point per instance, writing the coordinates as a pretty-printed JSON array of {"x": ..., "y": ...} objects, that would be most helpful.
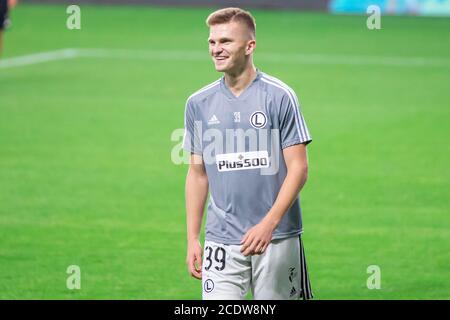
[{"x": 232, "y": 14}]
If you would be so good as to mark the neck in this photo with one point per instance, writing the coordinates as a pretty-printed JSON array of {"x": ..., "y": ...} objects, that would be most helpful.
[{"x": 238, "y": 80}]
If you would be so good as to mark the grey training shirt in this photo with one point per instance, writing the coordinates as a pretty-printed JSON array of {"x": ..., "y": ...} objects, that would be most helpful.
[{"x": 241, "y": 141}]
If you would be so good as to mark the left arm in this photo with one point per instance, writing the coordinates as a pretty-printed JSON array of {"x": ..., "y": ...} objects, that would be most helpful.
[{"x": 257, "y": 238}]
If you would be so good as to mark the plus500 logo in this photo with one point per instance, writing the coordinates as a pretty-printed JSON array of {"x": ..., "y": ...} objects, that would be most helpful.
[{"x": 242, "y": 160}]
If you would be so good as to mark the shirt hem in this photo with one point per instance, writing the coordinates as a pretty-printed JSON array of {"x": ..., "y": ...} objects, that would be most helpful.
[
  {"x": 193, "y": 151},
  {"x": 277, "y": 236},
  {"x": 294, "y": 142}
]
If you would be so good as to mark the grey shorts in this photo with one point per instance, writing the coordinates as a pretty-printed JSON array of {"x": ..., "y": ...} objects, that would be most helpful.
[{"x": 280, "y": 273}]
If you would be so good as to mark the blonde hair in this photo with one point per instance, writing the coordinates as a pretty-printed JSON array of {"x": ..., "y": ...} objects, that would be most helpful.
[{"x": 232, "y": 14}]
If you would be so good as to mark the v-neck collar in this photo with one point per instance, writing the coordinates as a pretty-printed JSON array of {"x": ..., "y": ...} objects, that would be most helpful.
[{"x": 244, "y": 93}]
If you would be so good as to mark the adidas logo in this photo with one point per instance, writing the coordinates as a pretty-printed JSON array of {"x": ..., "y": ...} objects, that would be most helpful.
[
  {"x": 292, "y": 274},
  {"x": 293, "y": 292},
  {"x": 213, "y": 120}
]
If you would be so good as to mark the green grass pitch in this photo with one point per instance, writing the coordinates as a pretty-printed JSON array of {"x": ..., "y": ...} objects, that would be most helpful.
[{"x": 86, "y": 176}]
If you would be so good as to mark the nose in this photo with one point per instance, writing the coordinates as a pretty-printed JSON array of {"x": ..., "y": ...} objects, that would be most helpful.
[{"x": 216, "y": 49}]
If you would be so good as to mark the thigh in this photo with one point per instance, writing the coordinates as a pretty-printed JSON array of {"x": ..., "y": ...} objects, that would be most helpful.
[
  {"x": 226, "y": 273},
  {"x": 278, "y": 273}
]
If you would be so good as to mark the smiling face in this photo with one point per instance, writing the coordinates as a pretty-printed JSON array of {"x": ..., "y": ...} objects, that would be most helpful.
[{"x": 230, "y": 45}]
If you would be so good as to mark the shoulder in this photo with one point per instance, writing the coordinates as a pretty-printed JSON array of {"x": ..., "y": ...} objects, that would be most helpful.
[
  {"x": 278, "y": 89},
  {"x": 204, "y": 92}
]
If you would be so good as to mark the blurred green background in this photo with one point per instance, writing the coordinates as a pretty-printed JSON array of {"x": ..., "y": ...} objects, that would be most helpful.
[{"x": 86, "y": 176}]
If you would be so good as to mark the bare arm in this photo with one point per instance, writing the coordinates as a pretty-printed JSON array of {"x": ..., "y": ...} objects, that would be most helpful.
[
  {"x": 258, "y": 238},
  {"x": 297, "y": 174},
  {"x": 196, "y": 194}
]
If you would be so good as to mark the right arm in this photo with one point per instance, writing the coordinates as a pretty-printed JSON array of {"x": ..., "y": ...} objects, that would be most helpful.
[{"x": 196, "y": 194}]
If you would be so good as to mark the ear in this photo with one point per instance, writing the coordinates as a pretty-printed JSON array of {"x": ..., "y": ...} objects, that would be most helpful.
[{"x": 251, "y": 46}]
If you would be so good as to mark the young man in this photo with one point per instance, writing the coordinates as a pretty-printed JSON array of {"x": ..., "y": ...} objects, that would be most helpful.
[{"x": 247, "y": 142}]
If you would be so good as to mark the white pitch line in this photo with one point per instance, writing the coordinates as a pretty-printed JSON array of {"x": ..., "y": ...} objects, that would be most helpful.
[
  {"x": 271, "y": 57},
  {"x": 356, "y": 60},
  {"x": 38, "y": 58},
  {"x": 171, "y": 55},
  {"x": 144, "y": 54}
]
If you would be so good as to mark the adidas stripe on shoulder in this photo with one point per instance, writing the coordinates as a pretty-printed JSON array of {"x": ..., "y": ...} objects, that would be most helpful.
[{"x": 299, "y": 120}]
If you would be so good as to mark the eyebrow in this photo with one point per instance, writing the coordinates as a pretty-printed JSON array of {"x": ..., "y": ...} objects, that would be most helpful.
[{"x": 221, "y": 39}]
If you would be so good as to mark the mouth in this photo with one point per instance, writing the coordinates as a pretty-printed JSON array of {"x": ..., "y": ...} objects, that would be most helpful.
[{"x": 220, "y": 58}]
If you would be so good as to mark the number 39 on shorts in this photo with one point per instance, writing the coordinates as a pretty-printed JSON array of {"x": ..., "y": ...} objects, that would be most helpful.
[{"x": 215, "y": 257}]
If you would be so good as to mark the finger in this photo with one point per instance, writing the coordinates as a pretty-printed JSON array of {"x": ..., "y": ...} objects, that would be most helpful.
[
  {"x": 259, "y": 247},
  {"x": 194, "y": 273},
  {"x": 257, "y": 251},
  {"x": 251, "y": 248},
  {"x": 256, "y": 247},
  {"x": 198, "y": 260},
  {"x": 193, "y": 269},
  {"x": 247, "y": 243},
  {"x": 245, "y": 237}
]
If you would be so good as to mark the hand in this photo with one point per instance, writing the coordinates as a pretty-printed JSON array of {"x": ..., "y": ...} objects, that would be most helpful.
[
  {"x": 257, "y": 239},
  {"x": 194, "y": 259}
]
